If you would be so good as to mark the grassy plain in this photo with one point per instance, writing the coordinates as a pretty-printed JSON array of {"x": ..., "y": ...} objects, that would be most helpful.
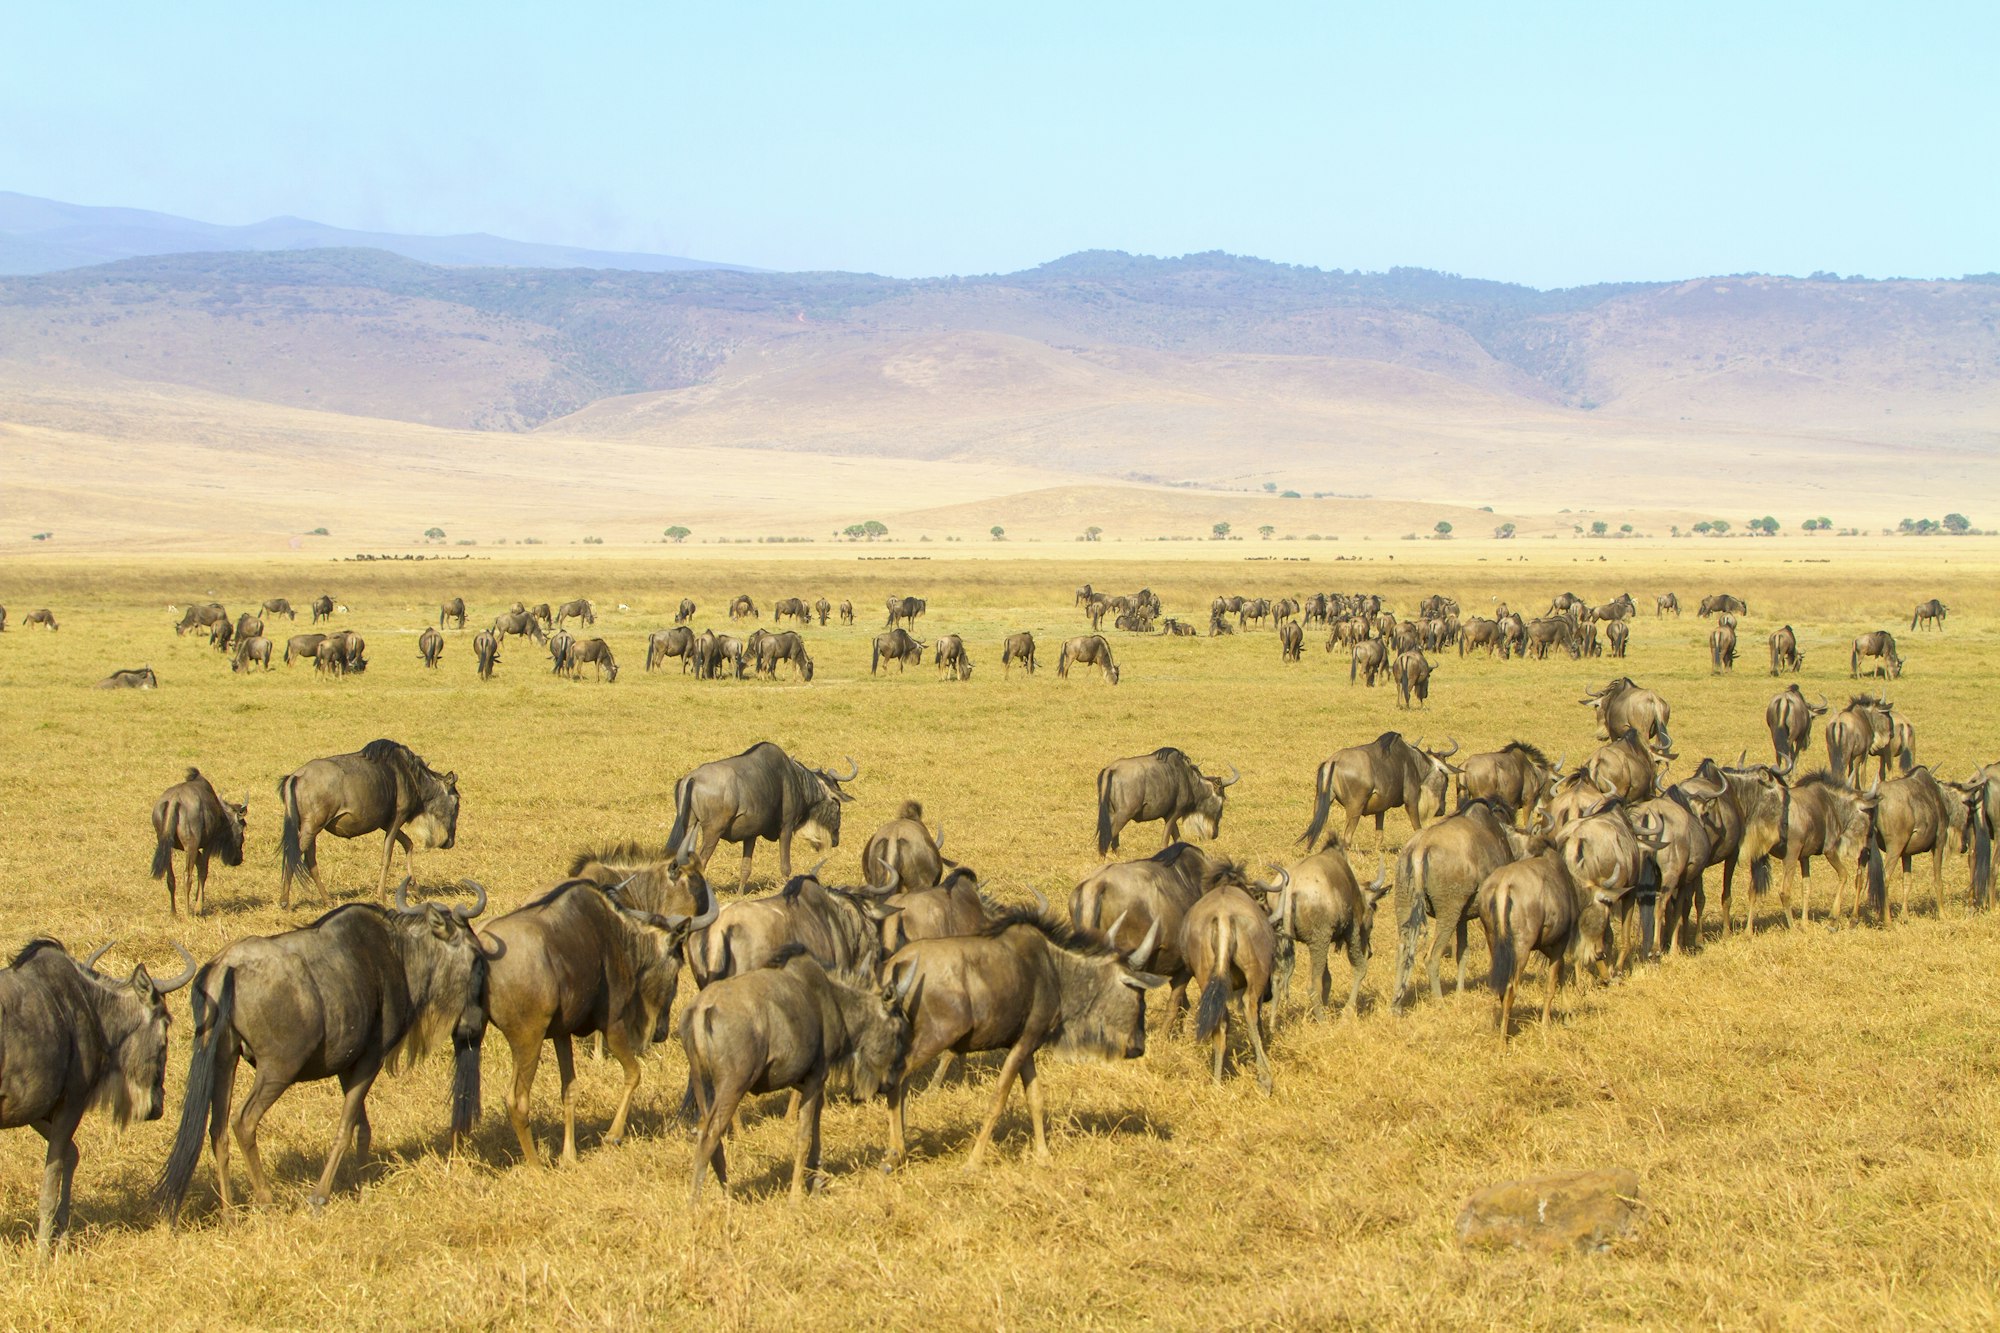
[{"x": 1812, "y": 1112}]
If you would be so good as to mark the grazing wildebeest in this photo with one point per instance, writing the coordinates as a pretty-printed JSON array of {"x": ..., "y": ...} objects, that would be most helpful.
[
  {"x": 1413, "y": 679},
  {"x": 895, "y": 645},
  {"x": 303, "y": 646},
  {"x": 1617, "y": 634},
  {"x": 573, "y": 962},
  {"x": 1320, "y": 904},
  {"x": 486, "y": 651},
  {"x": 1881, "y": 646},
  {"x": 903, "y": 609},
  {"x": 382, "y": 786},
  {"x": 795, "y": 607},
  {"x": 1929, "y": 615},
  {"x": 46, "y": 619},
  {"x": 248, "y": 627},
  {"x": 580, "y": 608},
  {"x": 597, "y": 653},
  {"x": 1087, "y": 650},
  {"x": 1387, "y": 774},
  {"x": 322, "y": 608},
  {"x": 761, "y": 793},
  {"x": 1514, "y": 778},
  {"x": 1665, "y": 602},
  {"x": 279, "y": 606},
  {"x": 1164, "y": 785},
  {"x": 430, "y": 646},
  {"x": 786, "y": 1025},
  {"x": 1721, "y": 649},
  {"x": 361, "y": 988},
  {"x": 1024, "y": 985},
  {"x": 951, "y": 658},
  {"x": 1622, "y": 704},
  {"x": 220, "y": 635},
  {"x": 664, "y": 643},
  {"x": 206, "y": 617},
  {"x": 1535, "y": 905},
  {"x": 823, "y": 609},
  {"x": 452, "y": 610},
  {"x": 1785, "y": 652},
  {"x": 1789, "y": 716},
  {"x": 846, "y": 612},
  {"x": 540, "y": 611},
  {"x": 561, "y": 644},
  {"x": 342, "y": 653},
  {"x": 1231, "y": 949},
  {"x": 1291, "y": 641},
  {"x": 1916, "y": 813},
  {"x": 686, "y": 611},
  {"x": 742, "y": 607},
  {"x": 1018, "y": 647},
  {"x": 785, "y": 646},
  {"x": 522, "y": 623},
  {"x": 140, "y": 678},
  {"x": 1723, "y": 602},
  {"x": 72, "y": 1038},
  {"x": 1438, "y": 874},
  {"x": 256, "y": 650},
  {"x": 905, "y": 850},
  {"x": 1127, "y": 900},
  {"x": 190, "y": 818},
  {"x": 1367, "y": 659}
]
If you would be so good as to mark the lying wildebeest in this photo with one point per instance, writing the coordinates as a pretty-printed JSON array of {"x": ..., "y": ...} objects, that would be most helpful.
[
  {"x": 904, "y": 852},
  {"x": 1231, "y": 949},
  {"x": 1618, "y": 635},
  {"x": 46, "y": 619},
  {"x": 846, "y": 612},
  {"x": 1515, "y": 778},
  {"x": 1127, "y": 900},
  {"x": 486, "y": 652},
  {"x": 1024, "y": 986},
  {"x": 785, "y": 646},
  {"x": 1789, "y": 716},
  {"x": 1665, "y": 602},
  {"x": 304, "y": 647},
  {"x": 784, "y": 1026},
  {"x": 1622, "y": 704},
  {"x": 1438, "y": 874},
  {"x": 1164, "y": 785},
  {"x": 1916, "y": 813},
  {"x": 520, "y": 623},
  {"x": 430, "y": 646},
  {"x": 139, "y": 678},
  {"x": 1723, "y": 602},
  {"x": 1291, "y": 641},
  {"x": 580, "y": 608},
  {"x": 1879, "y": 645},
  {"x": 1018, "y": 647},
  {"x": 686, "y": 611},
  {"x": 597, "y": 653},
  {"x": 951, "y": 659},
  {"x": 1178, "y": 629},
  {"x": 902, "y": 609},
  {"x": 206, "y": 617},
  {"x": 1368, "y": 659},
  {"x": 742, "y": 607},
  {"x": 1386, "y": 774},
  {"x": 895, "y": 645},
  {"x": 1319, "y": 905},
  {"x": 795, "y": 607},
  {"x": 1218, "y": 626},
  {"x": 256, "y": 650},
  {"x": 1413, "y": 679},
  {"x": 248, "y": 627},
  {"x": 761, "y": 793},
  {"x": 574, "y": 962},
  {"x": 823, "y": 609},
  {"x": 1721, "y": 649},
  {"x": 360, "y": 988},
  {"x": 1929, "y": 615},
  {"x": 1535, "y": 905},
  {"x": 452, "y": 610},
  {"x": 190, "y": 818},
  {"x": 1087, "y": 650},
  {"x": 1785, "y": 654},
  {"x": 279, "y": 606},
  {"x": 322, "y": 608},
  {"x": 70, "y": 1039},
  {"x": 383, "y": 785}
]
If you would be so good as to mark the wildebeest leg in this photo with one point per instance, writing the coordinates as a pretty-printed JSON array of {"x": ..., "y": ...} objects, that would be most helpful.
[
  {"x": 1728, "y": 884},
  {"x": 805, "y": 1141},
  {"x": 718, "y": 1106},
  {"x": 1321, "y": 985},
  {"x": 1556, "y": 968},
  {"x": 1031, "y": 1084},
  {"x": 198, "y": 872},
  {"x": 1253, "y": 1010},
  {"x": 390, "y": 842},
  {"x": 58, "y": 1170},
  {"x": 949, "y": 1061},
  {"x": 173, "y": 897},
  {"x": 1176, "y": 1005},
  {"x": 784, "y": 864},
  {"x": 355, "y": 1084},
  {"x": 1458, "y": 953},
  {"x": 1173, "y": 834},
  {"x": 266, "y": 1088},
  {"x": 1009, "y": 1071},
  {"x": 566, "y": 1071},
  {"x": 1792, "y": 870},
  {"x": 1440, "y": 937},
  {"x": 1357, "y": 961},
  {"x": 1220, "y": 1041},
  {"x": 621, "y": 1050},
  {"x": 1937, "y": 877},
  {"x": 527, "y": 1057}
]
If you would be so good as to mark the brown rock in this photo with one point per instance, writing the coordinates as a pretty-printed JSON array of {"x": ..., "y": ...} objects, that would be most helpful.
[{"x": 1587, "y": 1211}]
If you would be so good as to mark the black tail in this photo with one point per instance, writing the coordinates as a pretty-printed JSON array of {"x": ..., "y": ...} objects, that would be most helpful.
[
  {"x": 1214, "y": 1005},
  {"x": 465, "y": 1083},
  {"x": 1878, "y": 885},
  {"x": 288, "y": 837},
  {"x": 683, "y": 805},
  {"x": 163, "y": 851},
  {"x": 1104, "y": 813},
  {"x": 1322, "y": 806},
  {"x": 1502, "y": 944},
  {"x": 1982, "y": 860},
  {"x": 211, "y": 1029}
]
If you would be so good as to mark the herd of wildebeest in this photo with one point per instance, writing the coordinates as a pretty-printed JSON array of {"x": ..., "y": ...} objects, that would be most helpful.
[{"x": 868, "y": 983}]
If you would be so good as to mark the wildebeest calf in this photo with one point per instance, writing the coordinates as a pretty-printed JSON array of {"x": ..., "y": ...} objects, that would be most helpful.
[{"x": 141, "y": 678}]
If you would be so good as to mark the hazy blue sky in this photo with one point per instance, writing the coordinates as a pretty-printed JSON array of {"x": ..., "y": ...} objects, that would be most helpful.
[{"x": 1542, "y": 143}]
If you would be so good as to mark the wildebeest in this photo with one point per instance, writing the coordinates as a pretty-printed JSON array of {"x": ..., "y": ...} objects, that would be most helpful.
[
  {"x": 951, "y": 659},
  {"x": 1929, "y": 615},
  {"x": 430, "y": 646},
  {"x": 953, "y": 907},
  {"x": 1124, "y": 902},
  {"x": 248, "y": 627},
  {"x": 1723, "y": 602},
  {"x": 382, "y": 786},
  {"x": 1320, "y": 904},
  {"x": 904, "y": 852},
  {"x": 1413, "y": 679},
  {"x": 1438, "y": 874},
  {"x": 452, "y": 610},
  {"x": 1785, "y": 654},
  {"x": 823, "y": 609},
  {"x": 1625, "y": 768},
  {"x": 304, "y": 647},
  {"x": 1164, "y": 785},
  {"x": 1386, "y": 774},
  {"x": 761, "y": 793},
  {"x": 664, "y": 643},
  {"x": 322, "y": 608},
  {"x": 573, "y": 962},
  {"x": 256, "y": 650},
  {"x": 486, "y": 651},
  {"x": 785, "y": 646},
  {"x": 1617, "y": 634},
  {"x": 846, "y": 612},
  {"x": 190, "y": 818},
  {"x": 1622, "y": 704},
  {"x": 1535, "y": 905},
  {"x": 561, "y": 643},
  {"x": 341, "y": 653},
  {"x": 1546, "y": 632},
  {"x": 1826, "y": 818},
  {"x": 580, "y": 608},
  {"x": 1367, "y": 659},
  {"x": 1881, "y": 646},
  {"x": 46, "y": 619},
  {"x": 895, "y": 645},
  {"x": 1514, "y": 778},
  {"x": 279, "y": 606},
  {"x": 361, "y": 988},
  {"x": 904, "y": 609},
  {"x": 744, "y": 608},
  {"x": 72, "y": 1038},
  {"x": 597, "y": 653},
  {"x": 1231, "y": 949},
  {"x": 685, "y": 612},
  {"x": 1291, "y": 641},
  {"x": 1087, "y": 650},
  {"x": 787, "y": 1025},
  {"x": 1024, "y": 986},
  {"x": 206, "y": 616},
  {"x": 839, "y": 928},
  {"x": 795, "y": 607},
  {"x": 1018, "y": 647},
  {"x": 1665, "y": 602},
  {"x": 1721, "y": 649},
  {"x": 1789, "y": 716},
  {"x": 220, "y": 635},
  {"x": 713, "y": 651},
  {"x": 1867, "y": 727},
  {"x": 139, "y": 678},
  {"x": 1916, "y": 813},
  {"x": 522, "y": 623}
]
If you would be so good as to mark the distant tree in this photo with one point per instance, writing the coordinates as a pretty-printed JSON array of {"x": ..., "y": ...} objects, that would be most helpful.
[
  {"x": 1957, "y": 523},
  {"x": 1266, "y": 530},
  {"x": 1766, "y": 525},
  {"x": 1504, "y": 531},
  {"x": 677, "y": 534},
  {"x": 1289, "y": 495},
  {"x": 1270, "y": 485},
  {"x": 1825, "y": 523},
  {"x": 1220, "y": 530},
  {"x": 999, "y": 533},
  {"x": 855, "y": 532},
  {"x": 433, "y": 534},
  {"x": 1674, "y": 530},
  {"x": 1599, "y": 528},
  {"x": 1907, "y": 525},
  {"x": 1443, "y": 529},
  {"x": 875, "y": 528},
  {"x": 1092, "y": 533},
  {"x": 1704, "y": 528},
  {"x": 42, "y": 536},
  {"x": 1718, "y": 526},
  {"x": 1625, "y": 528},
  {"x": 319, "y": 532}
]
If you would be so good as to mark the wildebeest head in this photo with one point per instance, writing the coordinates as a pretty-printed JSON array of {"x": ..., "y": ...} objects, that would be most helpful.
[
  {"x": 437, "y": 824},
  {"x": 452, "y": 968},
  {"x": 1104, "y": 995},
  {"x": 1205, "y": 820},
  {"x": 135, "y": 1021},
  {"x": 881, "y": 1036},
  {"x": 821, "y": 828},
  {"x": 659, "y": 940},
  {"x": 1436, "y": 775}
]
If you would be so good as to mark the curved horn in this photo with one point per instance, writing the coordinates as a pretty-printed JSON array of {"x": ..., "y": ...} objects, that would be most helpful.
[
  {"x": 1381, "y": 872},
  {"x": 853, "y": 771},
  {"x": 1041, "y": 903},
  {"x": 91, "y": 962},
  {"x": 1446, "y": 754},
  {"x": 479, "y": 905},
  {"x": 1111, "y": 935},
  {"x": 187, "y": 974},
  {"x": 1279, "y": 884},
  {"x": 937, "y": 843},
  {"x": 1235, "y": 776},
  {"x": 1144, "y": 953},
  {"x": 1824, "y": 702},
  {"x": 1557, "y": 767},
  {"x": 403, "y": 896}
]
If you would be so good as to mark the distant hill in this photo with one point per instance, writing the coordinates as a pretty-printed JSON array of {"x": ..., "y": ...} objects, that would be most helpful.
[{"x": 45, "y": 236}]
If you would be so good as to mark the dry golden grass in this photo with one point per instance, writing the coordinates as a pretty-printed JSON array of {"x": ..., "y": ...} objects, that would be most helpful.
[{"x": 1812, "y": 1112}]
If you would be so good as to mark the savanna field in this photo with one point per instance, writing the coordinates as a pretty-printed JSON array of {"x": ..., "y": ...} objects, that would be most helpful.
[{"x": 1814, "y": 1113}]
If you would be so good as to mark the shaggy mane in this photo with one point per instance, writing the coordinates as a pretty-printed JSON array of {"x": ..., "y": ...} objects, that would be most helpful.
[
  {"x": 1523, "y": 748},
  {"x": 1062, "y": 936}
]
